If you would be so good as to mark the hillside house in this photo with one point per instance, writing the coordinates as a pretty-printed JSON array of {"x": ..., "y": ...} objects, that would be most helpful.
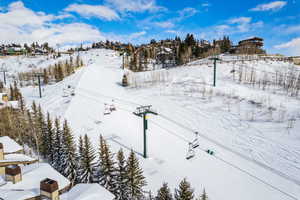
[{"x": 249, "y": 46}]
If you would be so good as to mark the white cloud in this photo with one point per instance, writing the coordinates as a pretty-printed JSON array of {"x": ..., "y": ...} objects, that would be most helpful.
[
  {"x": 98, "y": 11},
  {"x": 166, "y": 24},
  {"x": 294, "y": 42},
  {"x": 205, "y": 4},
  {"x": 21, "y": 25},
  {"x": 172, "y": 31},
  {"x": 291, "y": 48},
  {"x": 273, "y": 6},
  {"x": 135, "y": 5},
  {"x": 240, "y": 20},
  {"x": 18, "y": 15},
  {"x": 290, "y": 29},
  {"x": 187, "y": 12},
  {"x": 137, "y": 34}
]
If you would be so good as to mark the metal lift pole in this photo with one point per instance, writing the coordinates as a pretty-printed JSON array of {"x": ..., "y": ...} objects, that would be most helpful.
[
  {"x": 4, "y": 77},
  {"x": 38, "y": 75},
  {"x": 142, "y": 112},
  {"x": 215, "y": 72},
  {"x": 40, "y": 91},
  {"x": 215, "y": 59}
]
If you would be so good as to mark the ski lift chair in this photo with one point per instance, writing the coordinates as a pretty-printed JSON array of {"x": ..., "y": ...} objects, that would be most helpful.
[
  {"x": 65, "y": 94},
  {"x": 191, "y": 153},
  {"x": 112, "y": 106},
  {"x": 73, "y": 92},
  {"x": 195, "y": 142},
  {"x": 107, "y": 110}
]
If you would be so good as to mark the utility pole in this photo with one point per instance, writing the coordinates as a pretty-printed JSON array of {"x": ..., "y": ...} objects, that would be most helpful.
[
  {"x": 215, "y": 59},
  {"x": 142, "y": 111},
  {"x": 38, "y": 75}
]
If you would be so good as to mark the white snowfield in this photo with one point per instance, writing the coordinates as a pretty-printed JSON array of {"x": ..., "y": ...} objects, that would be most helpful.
[
  {"x": 87, "y": 192},
  {"x": 29, "y": 187},
  {"x": 256, "y": 155}
]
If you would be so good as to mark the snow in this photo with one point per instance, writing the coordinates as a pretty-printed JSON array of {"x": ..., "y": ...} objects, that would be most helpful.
[
  {"x": 14, "y": 64},
  {"x": 254, "y": 158},
  {"x": 30, "y": 185},
  {"x": 16, "y": 158},
  {"x": 9, "y": 145},
  {"x": 87, "y": 192}
]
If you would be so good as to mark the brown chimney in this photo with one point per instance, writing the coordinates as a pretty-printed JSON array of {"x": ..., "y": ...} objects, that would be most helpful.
[
  {"x": 49, "y": 189},
  {"x": 13, "y": 173}
]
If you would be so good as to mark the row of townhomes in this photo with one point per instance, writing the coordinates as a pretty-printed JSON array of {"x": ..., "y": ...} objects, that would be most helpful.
[
  {"x": 25, "y": 178},
  {"x": 14, "y": 49}
]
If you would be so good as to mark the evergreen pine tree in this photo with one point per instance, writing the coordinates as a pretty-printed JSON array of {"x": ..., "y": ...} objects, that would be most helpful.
[
  {"x": 87, "y": 162},
  {"x": 79, "y": 170},
  {"x": 106, "y": 166},
  {"x": 122, "y": 190},
  {"x": 204, "y": 196},
  {"x": 136, "y": 181},
  {"x": 69, "y": 149},
  {"x": 50, "y": 139},
  {"x": 184, "y": 192},
  {"x": 57, "y": 147},
  {"x": 41, "y": 132},
  {"x": 164, "y": 193}
]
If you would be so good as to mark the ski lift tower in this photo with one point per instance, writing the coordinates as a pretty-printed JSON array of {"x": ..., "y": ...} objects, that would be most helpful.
[
  {"x": 142, "y": 111},
  {"x": 39, "y": 75},
  {"x": 215, "y": 59},
  {"x": 4, "y": 70}
]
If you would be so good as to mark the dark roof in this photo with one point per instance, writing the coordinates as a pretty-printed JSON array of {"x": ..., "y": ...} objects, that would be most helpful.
[{"x": 252, "y": 39}]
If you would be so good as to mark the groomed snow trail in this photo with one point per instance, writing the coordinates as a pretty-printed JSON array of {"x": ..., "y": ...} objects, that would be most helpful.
[{"x": 226, "y": 176}]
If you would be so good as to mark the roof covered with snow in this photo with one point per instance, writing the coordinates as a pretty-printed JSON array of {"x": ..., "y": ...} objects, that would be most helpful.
[
  {"x": 16, "y": 158},
  {"x": 88, "y": 192},
  {"x": 30, "y": 184},
  {"x": 10, "y": 146}
]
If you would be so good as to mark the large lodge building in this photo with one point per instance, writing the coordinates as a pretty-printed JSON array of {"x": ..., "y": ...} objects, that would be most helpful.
[{"x": 249, "y": 46}]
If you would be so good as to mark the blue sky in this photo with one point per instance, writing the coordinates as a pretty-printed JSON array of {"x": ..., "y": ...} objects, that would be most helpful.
[{"x": 69, "y": 22}]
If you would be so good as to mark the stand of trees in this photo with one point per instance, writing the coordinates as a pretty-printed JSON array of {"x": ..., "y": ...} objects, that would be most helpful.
[
  {"x": 80, "y": 162},
  {"x": 171, "y": 52},
  {"x": 56, "y": 72}
]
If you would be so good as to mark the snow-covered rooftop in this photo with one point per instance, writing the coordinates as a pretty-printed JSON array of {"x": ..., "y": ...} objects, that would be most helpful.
[
  {"x": 16, "y": 158},
  {"x": 10, "y": 146},
  {"x": 88, "y": 192},
  {"x": 30, "y": 185}
]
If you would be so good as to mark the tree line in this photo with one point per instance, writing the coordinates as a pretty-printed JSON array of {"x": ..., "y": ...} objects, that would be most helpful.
[
  {"x": 167, "y": 52},
  {"x": 55, "y": 143},
  {"x": 53, "y": 73}
]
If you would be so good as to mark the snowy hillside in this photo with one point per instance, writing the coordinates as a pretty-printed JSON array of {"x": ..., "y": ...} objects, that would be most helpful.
[{"x": 253, "y": 131}]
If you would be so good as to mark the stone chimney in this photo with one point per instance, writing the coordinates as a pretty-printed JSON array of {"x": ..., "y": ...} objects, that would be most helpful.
[
  {"x": 49, "y": 189},
  {"x": 13, "y": 173}
]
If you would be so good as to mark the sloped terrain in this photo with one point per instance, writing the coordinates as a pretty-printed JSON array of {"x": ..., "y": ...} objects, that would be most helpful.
[{"x": 254, "y": 132}]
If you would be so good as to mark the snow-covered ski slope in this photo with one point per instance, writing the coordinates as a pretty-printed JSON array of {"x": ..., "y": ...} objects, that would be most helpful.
[{"x": 256, "y": 155}]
